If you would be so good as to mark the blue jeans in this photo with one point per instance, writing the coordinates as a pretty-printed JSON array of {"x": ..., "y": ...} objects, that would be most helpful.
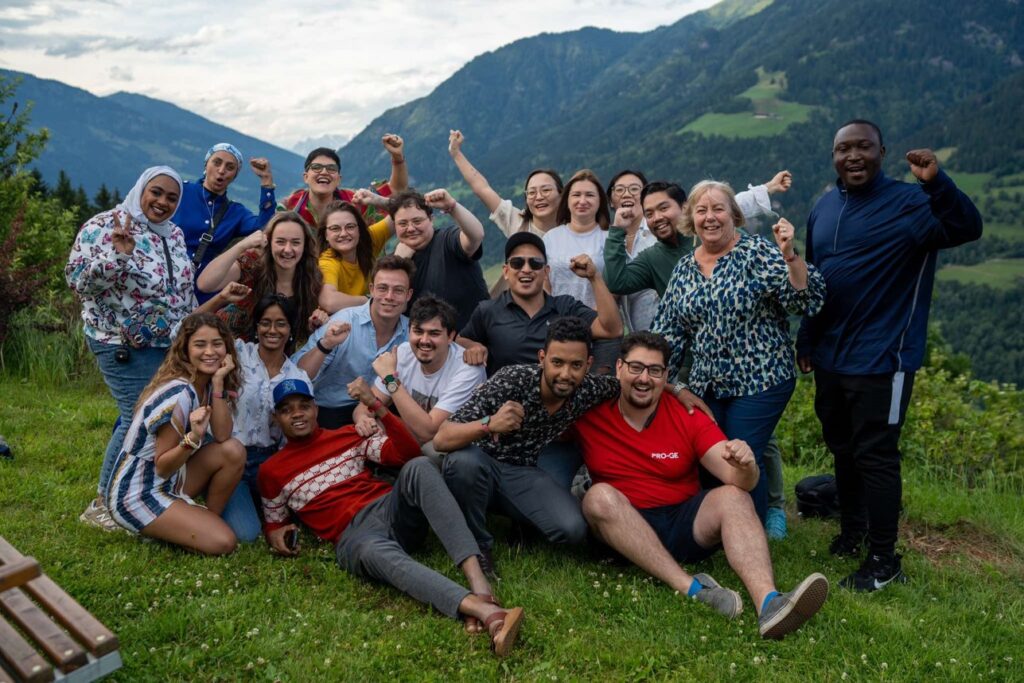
[
  {"x": 753, "y": 419},
  {"x": 240, "y": 513},
  {"x": 560, "y": 459},
  {"x": 125, "y": 381}
]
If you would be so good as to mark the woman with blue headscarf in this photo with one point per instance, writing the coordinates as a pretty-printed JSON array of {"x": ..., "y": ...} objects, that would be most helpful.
[
  {"x": 209, "y": 220},
  {"x": 131, "y": 271}
]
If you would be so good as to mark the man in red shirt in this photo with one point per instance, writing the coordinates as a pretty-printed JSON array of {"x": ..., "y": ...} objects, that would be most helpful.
[
  {"x": 646, "y": 501},
  {"x": 321, "y": 477}
]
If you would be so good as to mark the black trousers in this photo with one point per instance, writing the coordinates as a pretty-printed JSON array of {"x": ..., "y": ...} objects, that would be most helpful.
[{"x": 855, "y": 413}]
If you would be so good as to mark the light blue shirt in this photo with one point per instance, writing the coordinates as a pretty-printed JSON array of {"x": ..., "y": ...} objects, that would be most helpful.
[{"x": 352, "y": 358}]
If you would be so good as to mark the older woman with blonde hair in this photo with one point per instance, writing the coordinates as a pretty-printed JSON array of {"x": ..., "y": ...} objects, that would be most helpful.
[{"x": 727, "y": 304}]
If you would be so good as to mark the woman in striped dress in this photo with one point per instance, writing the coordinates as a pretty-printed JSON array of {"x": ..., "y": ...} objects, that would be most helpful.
[{"x": 179, "y": 444}]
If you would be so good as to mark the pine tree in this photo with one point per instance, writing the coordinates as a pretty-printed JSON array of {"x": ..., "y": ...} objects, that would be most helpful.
[{"x": 103, "y": 200}]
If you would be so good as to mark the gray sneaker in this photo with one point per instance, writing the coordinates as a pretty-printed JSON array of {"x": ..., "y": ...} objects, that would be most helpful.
[
  {"x": 725, "y": 601},
  {"x": 788, "y": 612},
  {"x": 98, "y": 515}
]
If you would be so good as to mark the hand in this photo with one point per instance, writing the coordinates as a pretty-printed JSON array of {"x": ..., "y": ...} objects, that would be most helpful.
[
  {"x": 255, "y": 240},
  {"x": 261, "y": 167},
  {"x": 780, "y": 182},
  {"x": 509, "y": 418},
  {"x": 318, "y": 318},
  {"x": 455, "y": 140},
  {"x": 234, "y": 292},
  {"x": 923, "y": 164},
  {"x": 121, "y": 238},
  {"x": 404, "y": 250},
  {"x": 335, "y": 334},
  {"x": 226, "y": 366},
  {"x": 360, "y": 391},
  {"x": 386, "y": 363},
  {"x": 624, "y": 215},
  {"x": 440, "y": 199},
  {"x": 198, "y": 420},
  {"x": 366, "y": 426},
  {"x": 394, "y": 144},
  {"x": 805, "y": 364},
  {"x": 783, "y": 231},
  {"x": 738, "y": 454},
  {"x": 475, "y": 355},
  {"x": 583, "y": 266},
  {"x": 690, "y": 401},
  {"x": 363, "y": 197},
  {"x": 276, "y": 540}
]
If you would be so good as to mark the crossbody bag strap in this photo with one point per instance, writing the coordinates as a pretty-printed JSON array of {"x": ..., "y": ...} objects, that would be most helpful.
[{"x": 207, "y": 237}]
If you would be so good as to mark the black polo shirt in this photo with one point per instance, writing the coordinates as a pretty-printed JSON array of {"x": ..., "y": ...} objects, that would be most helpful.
[{"x": 513, "y": 337}]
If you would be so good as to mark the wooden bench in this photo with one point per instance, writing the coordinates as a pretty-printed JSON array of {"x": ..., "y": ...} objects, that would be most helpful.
[{"x": 45, "y": 635}]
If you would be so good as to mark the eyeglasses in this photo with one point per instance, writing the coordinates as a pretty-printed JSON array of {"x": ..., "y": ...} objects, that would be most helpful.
[
  {"x": 384, "y": 289},
  {"x": 517, "y": 262},
  {"x": 330, "y": 168},
  {"x": 620, "y": 190},
  {"x": 415, "y": 222},
  {"x": 637, "y": 368},
  {"x": 335, "y": 229},
  {"x": 266, "y": 324},
  {"x": 542, "y": 191}
]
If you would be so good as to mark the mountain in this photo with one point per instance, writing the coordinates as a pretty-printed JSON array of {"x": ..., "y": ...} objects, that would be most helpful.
[{"x": 110, "y": 140}]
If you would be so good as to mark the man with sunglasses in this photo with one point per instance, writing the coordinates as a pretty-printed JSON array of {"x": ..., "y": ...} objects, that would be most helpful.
[
  {"x": 643, "y": 454},
  {"x": 511, "y": 329},
  {"x": 322, "y": 175}
]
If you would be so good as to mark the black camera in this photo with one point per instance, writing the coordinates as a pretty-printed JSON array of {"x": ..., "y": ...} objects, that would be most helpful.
[{"x": 122, "y": 354}]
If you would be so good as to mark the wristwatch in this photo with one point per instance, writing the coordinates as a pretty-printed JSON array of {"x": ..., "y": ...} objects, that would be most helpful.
[
  {"x": 391, "y": 383},
  {"x": 486, "y": 423}
]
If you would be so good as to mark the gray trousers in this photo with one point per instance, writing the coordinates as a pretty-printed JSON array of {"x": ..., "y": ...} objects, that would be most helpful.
[
  {"x": 376, "y": 544},
  {"x": 773, "y": 470},
  {"x": 526, "y": 494}
]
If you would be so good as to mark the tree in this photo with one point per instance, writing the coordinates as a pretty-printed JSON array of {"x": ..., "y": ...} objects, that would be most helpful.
[
  {"x": 18, "y": 146},
  {"x": 103, "y": 199}
]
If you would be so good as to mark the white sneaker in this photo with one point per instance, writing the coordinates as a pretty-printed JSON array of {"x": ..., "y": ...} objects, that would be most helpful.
[{"x": 98, "y": 515}]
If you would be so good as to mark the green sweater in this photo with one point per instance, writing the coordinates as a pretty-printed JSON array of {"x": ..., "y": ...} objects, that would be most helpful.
[{"x": 651, "y": 269}]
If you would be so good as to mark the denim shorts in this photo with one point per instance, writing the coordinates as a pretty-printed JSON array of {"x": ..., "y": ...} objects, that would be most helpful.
[{"x": 674, "y": 526}]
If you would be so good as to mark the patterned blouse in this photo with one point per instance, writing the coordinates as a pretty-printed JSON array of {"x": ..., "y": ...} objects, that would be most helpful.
[
  {"x": 735, "y": 322},
  {"x": 522, "y": 383},
  {"x": 136, "y": 298},
  {"x": 253, "y": 420}
]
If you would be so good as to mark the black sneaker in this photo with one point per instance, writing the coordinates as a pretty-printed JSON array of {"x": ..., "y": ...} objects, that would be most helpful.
[
  {"x": 877, "y": 572},
  {"x": 490, "y": 570},
  {"x": 846, "y": 545}
]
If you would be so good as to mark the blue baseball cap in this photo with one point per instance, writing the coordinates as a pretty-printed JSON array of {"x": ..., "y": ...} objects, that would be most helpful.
[{"x": 291, "y": 387}]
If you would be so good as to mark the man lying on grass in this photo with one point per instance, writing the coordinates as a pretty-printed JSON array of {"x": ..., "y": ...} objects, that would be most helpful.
[
  {"x": 321, "y": 476},
  {"x": 646, "y": 502}
]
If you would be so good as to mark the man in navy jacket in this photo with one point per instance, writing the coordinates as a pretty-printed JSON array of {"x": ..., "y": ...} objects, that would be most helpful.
[{"x": 875, "y": 240}]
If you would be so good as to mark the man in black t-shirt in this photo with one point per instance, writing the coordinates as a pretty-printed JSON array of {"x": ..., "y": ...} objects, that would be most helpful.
[{"x": 447, "y": 260}]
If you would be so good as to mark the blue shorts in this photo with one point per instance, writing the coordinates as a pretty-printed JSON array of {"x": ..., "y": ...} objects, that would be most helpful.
[{"x": 674, "y": 526}]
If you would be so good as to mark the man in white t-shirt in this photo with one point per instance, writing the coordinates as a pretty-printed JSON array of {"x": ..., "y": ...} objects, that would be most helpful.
[{"x": 426, "y": 377}]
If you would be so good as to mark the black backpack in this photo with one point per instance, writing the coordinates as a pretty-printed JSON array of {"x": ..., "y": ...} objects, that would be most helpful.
[{"x": 817, "y": 496}]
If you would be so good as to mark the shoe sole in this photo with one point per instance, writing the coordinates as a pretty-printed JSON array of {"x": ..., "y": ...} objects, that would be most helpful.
[
  {"x": 505, "y": 638},
  {"x": 804, "y": 603}
]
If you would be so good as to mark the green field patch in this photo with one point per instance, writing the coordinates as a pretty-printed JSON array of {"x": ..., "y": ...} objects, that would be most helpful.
[
  {"x": 997, "y": 273},
  {"x": 1005, "y": 231}
]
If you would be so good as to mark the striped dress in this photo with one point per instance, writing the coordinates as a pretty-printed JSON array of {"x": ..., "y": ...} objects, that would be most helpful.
[{"x": 136, "y": 494}]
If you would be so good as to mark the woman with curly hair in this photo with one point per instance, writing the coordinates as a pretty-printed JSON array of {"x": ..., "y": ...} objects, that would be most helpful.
[
  {"x": 179, "y": 444},
  {"x": 281, "y": 259}
]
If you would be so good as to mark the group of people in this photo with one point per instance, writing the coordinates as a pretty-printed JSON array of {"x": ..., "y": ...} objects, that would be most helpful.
[{"x": 620, "y": 385}]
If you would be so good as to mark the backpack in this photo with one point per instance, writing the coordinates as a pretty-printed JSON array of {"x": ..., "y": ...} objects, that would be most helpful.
[{"x": 817, "y": 496}]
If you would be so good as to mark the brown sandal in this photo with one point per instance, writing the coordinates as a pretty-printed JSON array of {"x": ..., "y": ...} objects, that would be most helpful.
[
  {"x": 505, "y": 638},
  {"x": 472, "y": 625}
]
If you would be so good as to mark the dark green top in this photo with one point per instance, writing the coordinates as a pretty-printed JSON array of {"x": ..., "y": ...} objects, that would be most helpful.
[{"x": 651, "y": 269}]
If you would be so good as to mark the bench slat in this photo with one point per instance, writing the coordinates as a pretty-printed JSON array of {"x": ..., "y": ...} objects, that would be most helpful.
[
  {"x": 23, "y": 660},
  {"x": 58, "y": 646},
  {"x": 17, "y": 573}
]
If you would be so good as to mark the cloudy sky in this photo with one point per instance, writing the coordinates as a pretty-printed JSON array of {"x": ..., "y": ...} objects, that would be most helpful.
[{"x": 288, "y": 71}]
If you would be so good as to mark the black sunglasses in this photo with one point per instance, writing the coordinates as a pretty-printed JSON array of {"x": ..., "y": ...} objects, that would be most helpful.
[{"x": 517, "y": 262}]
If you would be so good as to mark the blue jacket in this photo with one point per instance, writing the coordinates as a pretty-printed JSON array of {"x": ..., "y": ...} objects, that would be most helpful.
[{"x": 876, "y": 248}]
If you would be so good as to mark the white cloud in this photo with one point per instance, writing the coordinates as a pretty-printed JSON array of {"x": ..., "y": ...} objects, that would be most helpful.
[{"x": 287, "y": 72}]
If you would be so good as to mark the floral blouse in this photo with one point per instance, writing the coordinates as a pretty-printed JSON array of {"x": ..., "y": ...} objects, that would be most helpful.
[
  {"x": 254, "y": 422},
  {"x": 735, "y": 322},
  {"x": 138, "y": 298}
]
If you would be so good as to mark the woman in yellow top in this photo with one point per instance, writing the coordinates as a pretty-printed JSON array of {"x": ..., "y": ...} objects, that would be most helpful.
[{"x": 348, "y": 249}]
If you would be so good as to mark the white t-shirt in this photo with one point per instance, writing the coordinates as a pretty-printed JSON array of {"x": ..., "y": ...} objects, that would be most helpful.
[
  {"x": 562, "y": 244},
  {"x": 447, "y": 389}
]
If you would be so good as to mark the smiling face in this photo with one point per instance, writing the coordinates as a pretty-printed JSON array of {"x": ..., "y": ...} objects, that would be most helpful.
[
  {"x": 626, "y": 191},
  {"x": 160, "y": 198},
  {"x": 391, "y": 293},
  {"x": 584, "y": 201},
  {"x": 287, "y": 244},
  {"x": 526, "y": 281},
  {"x": 273, "y": 329},
  {"x": 323, "y": 175},
  {"x": 857, "y": 154},
  {"x": 221, "y": 169},
  {"x": 713, "y": 220},
  {"x": 206, "y": 350},
  {"x": 641, "y": 390},
  {"x": 564, "y": 365},
  {"x": 542, "y": 195},
  {"x": 413, "y": 227},
  {"x": 429, "y": 341},
  {"x": 296, "y": 415},
  {"x": 342, "y": 232},
  {"x": 663, "y": 215}
]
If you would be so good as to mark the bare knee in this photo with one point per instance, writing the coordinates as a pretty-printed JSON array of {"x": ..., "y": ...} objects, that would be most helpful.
[
  {"x": 218, "y": 541},
  {"x": 602, "y": 503},
  {"x": 233, "y": 453},
  {"x": 731, "y": 500}
]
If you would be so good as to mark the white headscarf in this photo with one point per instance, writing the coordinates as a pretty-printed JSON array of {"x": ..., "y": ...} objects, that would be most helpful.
[{"x": 132, "y": 203}]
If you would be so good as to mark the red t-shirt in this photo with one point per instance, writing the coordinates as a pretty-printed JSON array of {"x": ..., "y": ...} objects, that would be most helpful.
[
  {"x": 323, "y": 478},
  {"x": 298, "y": 201},
  {"x": 653, "y": 467}
]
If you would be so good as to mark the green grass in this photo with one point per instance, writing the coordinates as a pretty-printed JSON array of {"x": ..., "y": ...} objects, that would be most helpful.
[
  {"x": 996, "y": 273},
  {"x": 253, "y": 616},
  {"x": 771, "y": 115}
]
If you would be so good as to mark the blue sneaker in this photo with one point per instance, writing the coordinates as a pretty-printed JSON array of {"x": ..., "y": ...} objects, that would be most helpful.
[{"x": 775, "y": 524}]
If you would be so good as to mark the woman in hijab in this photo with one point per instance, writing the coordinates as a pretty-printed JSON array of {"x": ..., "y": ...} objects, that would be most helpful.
[{"x": 131, "y": 271}]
